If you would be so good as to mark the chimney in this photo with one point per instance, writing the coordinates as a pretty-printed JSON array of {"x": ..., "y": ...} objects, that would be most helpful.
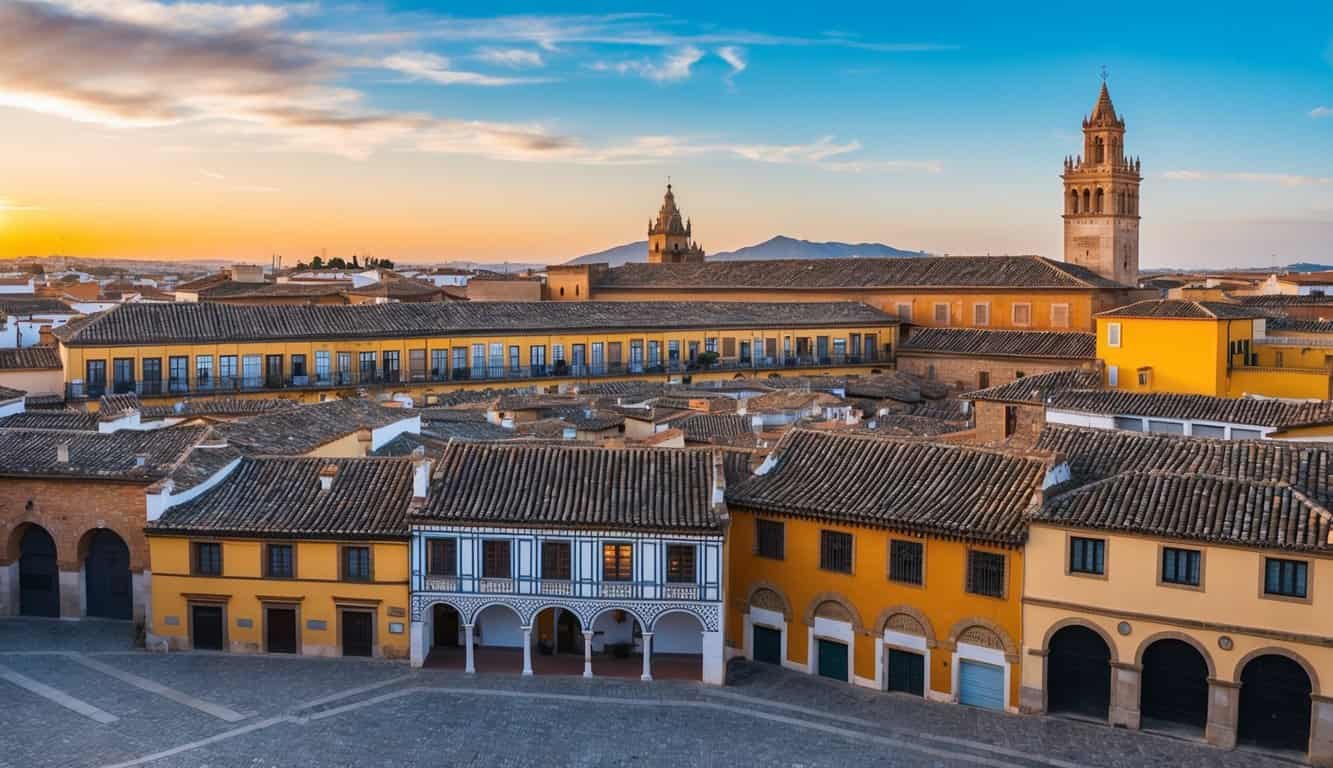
[
  {"x": 62, "y": 453},
  {"x": 420, "y": 473},
  {"x": 326, "y": 476}
]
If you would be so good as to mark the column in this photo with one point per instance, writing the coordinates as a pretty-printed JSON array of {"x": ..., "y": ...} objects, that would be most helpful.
[
  {"x": 470, "y": 667},
  {"x": 417, "y": 643},
  {"x": 527, "y": 651},
  {"x": 1125, "y": 694},
  {"x": 1321, "y": 731},
  {"x": 1223, "y": 713},
  {"x": 647, "y": 656},
  {"x": 587, "y": 654}
]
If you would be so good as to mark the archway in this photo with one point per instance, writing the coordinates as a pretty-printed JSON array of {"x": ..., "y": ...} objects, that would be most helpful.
[
  {"x": 497, "y": 631},
  {"x": 558, "y": 641},
  {"x": 1175, "y": 686},
  {"x": 445, "y": 631},
  {"x": 39, "y": 575},
  {"x": 617, "y": 644},
  {"x": 1274, "y": 703},
  {"x": 106, "y": 575},
  {"x": 676, "y": 650},
  {"x": 1078, "y": 673}
]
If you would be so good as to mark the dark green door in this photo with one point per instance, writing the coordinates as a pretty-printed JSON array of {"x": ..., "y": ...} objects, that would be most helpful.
[
  {"x": 907, "y": 672},
  {"x": 767, "y": 645},
  {"x": 832, "y": 660}
]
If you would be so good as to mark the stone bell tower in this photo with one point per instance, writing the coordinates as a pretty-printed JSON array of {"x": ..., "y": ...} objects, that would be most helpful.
[
  {"x": 1102, "y": 198},
  {"x": 669, "y": 237}
]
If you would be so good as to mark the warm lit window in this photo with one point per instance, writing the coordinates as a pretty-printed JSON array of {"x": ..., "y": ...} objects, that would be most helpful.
[
  {"x": 618, "y": 561},
  {"x": 680, "y": 563}
]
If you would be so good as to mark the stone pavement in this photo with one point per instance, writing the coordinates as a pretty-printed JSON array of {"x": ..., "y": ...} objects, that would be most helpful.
[{"x": 168, "y": 710}]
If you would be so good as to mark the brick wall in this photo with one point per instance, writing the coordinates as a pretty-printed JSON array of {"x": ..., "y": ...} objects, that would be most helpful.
[
  {"x": 69, "y": 509},
  {"x": 965, "y": 371},
  {"x": 990, "y": 422}
]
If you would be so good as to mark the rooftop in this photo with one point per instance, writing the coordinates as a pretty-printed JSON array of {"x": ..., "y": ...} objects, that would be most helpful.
[
  {"x": 1184, "y": 310},
  {"x": 296, "y": 431},
  {"x": 92, "y": 455},
  {"x": 983, "y": 343},
  {"x": 30, "y": 359},
  {"x": 1168, "y": 405},
  {"x": 1036, "y": 389}
]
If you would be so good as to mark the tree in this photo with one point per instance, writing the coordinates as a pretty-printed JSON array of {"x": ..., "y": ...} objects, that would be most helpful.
[
  {"x": 317, "y": 263},
  {"x": 337, "y": 263}
]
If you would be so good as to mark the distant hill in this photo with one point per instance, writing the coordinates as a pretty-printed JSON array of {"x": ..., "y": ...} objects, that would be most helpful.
[{"x": 780, "y": 247}]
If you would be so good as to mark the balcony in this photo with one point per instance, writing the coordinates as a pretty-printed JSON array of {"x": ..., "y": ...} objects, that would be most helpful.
[{"x": 586, "y": 589}]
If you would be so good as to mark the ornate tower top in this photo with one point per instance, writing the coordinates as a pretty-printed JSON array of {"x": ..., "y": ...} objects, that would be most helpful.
[
  {"x": 1103, "y": 112},
  {"x": 669, "y": 237},
  {"x": 669, "y": 221}
]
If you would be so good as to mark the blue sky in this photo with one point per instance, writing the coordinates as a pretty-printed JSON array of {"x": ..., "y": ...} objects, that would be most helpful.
[{"x": 538, "y": 131}]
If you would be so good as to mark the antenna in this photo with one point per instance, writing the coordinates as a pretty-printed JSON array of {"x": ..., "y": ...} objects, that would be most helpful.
[{"x": 1104, "y": 73}]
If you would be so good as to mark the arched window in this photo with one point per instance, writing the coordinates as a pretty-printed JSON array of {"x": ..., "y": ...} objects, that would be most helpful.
[
  {"x": 1101, "y": 200},
  {"x": 1073, "y": 201},
  {"x": 1099, "y": 150},
  {"x": 1087, "y": 201}
]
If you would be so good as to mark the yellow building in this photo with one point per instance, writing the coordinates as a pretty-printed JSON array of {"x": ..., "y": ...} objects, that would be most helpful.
[
  {"x": 1201, "y": 347},
  {"x": 172, "y": 350},
  {"x": 283, "y": 555},
  {"x": 891, "y": 564},
  {"x": 1180, "y": 588}
]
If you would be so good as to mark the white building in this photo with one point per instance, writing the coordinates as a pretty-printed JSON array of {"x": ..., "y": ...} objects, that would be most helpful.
[
  {"x": 23, "y": 317},
  {"x": 611, "y": 557}
]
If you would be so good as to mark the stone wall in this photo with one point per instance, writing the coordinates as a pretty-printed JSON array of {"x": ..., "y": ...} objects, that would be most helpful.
[{"x": 964, "y": 371}]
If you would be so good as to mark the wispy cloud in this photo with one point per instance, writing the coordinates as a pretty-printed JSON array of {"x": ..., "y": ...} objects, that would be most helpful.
[
  {"x": 6, "y": 205},
  {"x": 735, "y": 58},
  {"x": 1283, "y": 179},
  {"x": 674, "y": 66},
  {"x": 193, "y": 16},
  {"x": 436, "y": 69},
  {"x": 514, "y": 58},
  {"x": 1321, "y": 112}
]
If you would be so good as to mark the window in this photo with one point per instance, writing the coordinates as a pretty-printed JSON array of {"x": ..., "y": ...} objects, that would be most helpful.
[
  {"x": 439, "y": 364},
  {"x": 1166, "y": 427},
  {"x": 1181, "y": 566},
  {"x": 96, "y": 377},
  {"x": 356, "y": 563},
  {"x": 495, "y": 559},
  {"x": 1129, "y": 423},
  {"x": 770, "y": 536},
  {"x": 985, "y": 573},
  {"x": 322, "y": 370},
  {"x": 1059, "y": 315},
  {"x": 251, "y": 371},
  {"x": 1215, "y": 431},
  {"x": 299, "y": 372},
  {"x": 710, "y": 344},
  {"x": 460, "y": 369},
  {"x": 227, "y": 369},
  {"x": 1145, "y": 377},
  {"x": 416, "y": 364},
  {"x": 344, "y": 367},
  {"x": 1285, "y": 578},
  {"x": 680, "y": 563},
  {"x": 617, "y": 561},
  {"x": 178, "y": 371},
  {"x": 1245, "y": 434},
  {"x": 478, "y": 360},
  {"x": 442, "y": 557},
  {"x": 1087, "y": 556},
  {"x": 513, "y": 359},
  {"x": 366, "y": 366},
  {"x": 1022, "y": 314},
  {"x": 904, "y": 312},
  {"x": 981, "y": 314},
  {"x": 556, "y": 561},
  {"x": 655, "y": 354},
  {"x": 280, "y": 562},
  {"x": 906, "y": 561},
  {"x": 392, "y": 366},
  {"x": 941, "y": 314},
  {"x": 983, "y": 379},
  {"x": 835, "y": 551},
  {"x": 496, "y": 357},
  {"x": 208, "y": 558},
  {"x": 1112, "y": 376},
  {"x": 1113, "y": 334},
  {"x": 123, "y": 369},
  {"x": 152, "y": 375}
]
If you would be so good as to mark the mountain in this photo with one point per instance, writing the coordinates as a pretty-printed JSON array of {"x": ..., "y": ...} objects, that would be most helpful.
[{"x": 780, "y": 247}]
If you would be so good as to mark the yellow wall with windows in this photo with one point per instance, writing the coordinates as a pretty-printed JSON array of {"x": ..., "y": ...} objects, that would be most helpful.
[
  {"x": 317, "y": 590},
  {"x": 943, "y": 599}
]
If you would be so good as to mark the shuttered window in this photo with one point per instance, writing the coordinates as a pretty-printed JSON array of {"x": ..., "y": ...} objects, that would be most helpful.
[
  {"x": 495, "y": 559},
  {"x": 618, "y": 561},
  {"x": 985, "y": 573},
  {"x": 906, "y": 561},
  {"x": 442, "y": 557},
  {"x": 680, "y": 563},
  {"x": 835, "y": 551},
  {"x": 770, "y": 538},
  {"x": 556, "y": 560}
]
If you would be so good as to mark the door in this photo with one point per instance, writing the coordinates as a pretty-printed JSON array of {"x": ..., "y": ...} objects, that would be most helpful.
[
  {"x": 280, "y": 630},
  {"x": 907, "y": 672},
  {"x": 273, "y": 371},
  {"x": 107, "y": 571},
  {"x": 206, "y": 627},
  {"x": 358, "y": 633},
  {"x": 832, "y": 659},
  {"x": 1078, "y": 673},
  {"x": 1275, "y": 704},
  {"x": 446, "y": 626},
  {"x": 1174, "y": 684},
  {"x": 768, "y": 645},
  {"x": 980, "y": 685},
  {"x": 39, "y": 580}
]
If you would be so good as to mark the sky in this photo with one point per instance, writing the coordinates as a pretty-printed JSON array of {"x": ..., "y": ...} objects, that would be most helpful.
[{"x": 501, "y": 131}]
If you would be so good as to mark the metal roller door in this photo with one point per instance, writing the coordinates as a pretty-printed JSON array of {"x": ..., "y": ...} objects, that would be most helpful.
[{"x": 980, "y": 685}]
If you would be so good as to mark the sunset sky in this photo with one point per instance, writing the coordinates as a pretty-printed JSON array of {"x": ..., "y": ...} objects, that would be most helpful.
[{"x": 505, "y": 131}]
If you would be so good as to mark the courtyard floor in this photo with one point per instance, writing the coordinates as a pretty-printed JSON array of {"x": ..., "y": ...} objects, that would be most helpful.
[{"x": 78, "y": 694}]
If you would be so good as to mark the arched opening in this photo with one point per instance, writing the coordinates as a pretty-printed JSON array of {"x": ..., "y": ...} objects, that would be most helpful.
[
  {"x": 1101, "y": 200},
  {"x": 1087, "y": 200},
  {"x": 1098, "y": 150},
  {"x": 677, "y": 647},
  {"x": 558, "y": 637},
  {"x": 1078, "y": 673},
  {"x": 446, "y": 638},
  {"x": 497, "y": 633},
  {"x": 39, "y": 576},
  {"x": 1274, "y": 704},
  {"x": 106, "y": 571},
  {"x": 1073, "y": 201},
  {"x": 617, "y": 644},
  {"x": 1174, "y": 693}
]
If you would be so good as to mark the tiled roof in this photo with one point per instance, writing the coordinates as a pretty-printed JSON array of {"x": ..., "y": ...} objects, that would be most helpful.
[
  {"x": 115, "y": 406},
  {"x": 983, "y": 343},
  {"x": 467, "y": 431},
  {"x": 76, "y": 420},
  {"x": 1095, "y": 454},
  {"x": 28, "y": 305},
  {"x": 710, "y": 427},
  {"x": 1032, "y": 389},
  {"x": 295, "y": 431},
  {"x": 895, "y": 385},
  {"x": 906, "y": 424},
  {"x": 1285, "y": 300},
  {"x": 1308, "y": 278},
  {"x": 1269, "y": 515},
  {"x": 278, "y": 290},
  {"x": 399, "y": 288},
  {"x": 1184, "y": 310},
  {"x": 218, "y": 406},
  {"x": 52, "y": 402},
  {"x": 7, "y": 393},
  {"x": 1168, "y": 405},
  {"x": 1031, "y": 272},
  {"x": 790, "y": 400},
  {"x": 30, "y": 359},
  {"x": 909, "y": 485},
  {"x": 282, "y": 497},
  {"x": 94, "y": 455},
  {"x": 547, "y": 485},
  {"x": 1275, "y": 325},
  {"x": 183, "y": 323}
]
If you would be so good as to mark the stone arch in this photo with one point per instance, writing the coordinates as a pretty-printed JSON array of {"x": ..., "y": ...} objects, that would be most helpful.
[
  {"x": 843, "y": 604},
  {"x": 703, "y": 626},
  {"x": 428, "y": 607},
  {"x": 1184, "y": 638},
  {"x": 592, "y": 618},
  {"x": 1274, "y": 650},
  {"x": 784, "y": 605},
  {"x": 895, "y": 613},
  {"x": 14, "y": 543},
  {"x": 1077, "y": 622},
  {"x": 1073, "y": 201},
  {"x": 472, "y": 619},
  {"x": 1100, "y": 205},
  {"x": 537, "y": 611},
  {"x": 963, "y": 631},
  {"x": 1087, "y": 200}
]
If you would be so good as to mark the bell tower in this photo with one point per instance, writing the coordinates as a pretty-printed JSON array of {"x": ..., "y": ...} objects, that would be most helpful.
[
  {"x": 669, "y": 237},
  {"x": 1102, "y": 198}
]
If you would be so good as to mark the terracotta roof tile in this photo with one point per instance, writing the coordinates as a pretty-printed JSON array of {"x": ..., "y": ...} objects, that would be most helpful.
[
  {"x": 1168, "y": 405},
  {"x": 984, "y": 343},
  {"x": 1184, "y": 310},
  {"x": 1034, "y": 389},
  {"x": 30, "y": 359}
]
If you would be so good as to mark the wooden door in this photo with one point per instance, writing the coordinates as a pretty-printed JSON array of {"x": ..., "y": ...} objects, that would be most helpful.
[
  {"x": 206, "y": 627},
  {"x": 107, "y": 569},
  {"x": 39, "y": 578},
  {"x": 767, "y": 645},
  {"x": 832, "y": 659},
  {"x": 906, "y": 672},
  {"x": 358, "y": 633},
  {"x": 280, "y": 630}
]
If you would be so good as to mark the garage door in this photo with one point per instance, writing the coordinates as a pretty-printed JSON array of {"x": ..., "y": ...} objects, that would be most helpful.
[
  {"x": 981, "y": 685},
  {"x": 832, "y": 660},
  {"x": 767, "y": 645},
  {"x": 907, "y": 672}
]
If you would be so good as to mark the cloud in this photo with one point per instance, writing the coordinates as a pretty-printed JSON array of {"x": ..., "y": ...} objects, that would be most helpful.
[
  {"x": 1321, "y": 112},
  {"x": 6, "y": 205},
  {"x": 196, "y": 16},
  {"x": 429, "y": 66},
  {"x": 735, "y": 58},
  {"x": 673, "y": 67},
  {"x": 514, "y": 58},
  {"x": 1283, "y": 179}
]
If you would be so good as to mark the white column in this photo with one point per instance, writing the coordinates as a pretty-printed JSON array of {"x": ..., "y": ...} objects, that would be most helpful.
[
  {"x": 527, "y": 651},
  {"x": 587, "y": 654},
  {"x": 715, "y": 668},
  {"x": 647, "y": 656},
  {"x": 470, "y": 667},
  {"x": 417, "y": 643}
]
